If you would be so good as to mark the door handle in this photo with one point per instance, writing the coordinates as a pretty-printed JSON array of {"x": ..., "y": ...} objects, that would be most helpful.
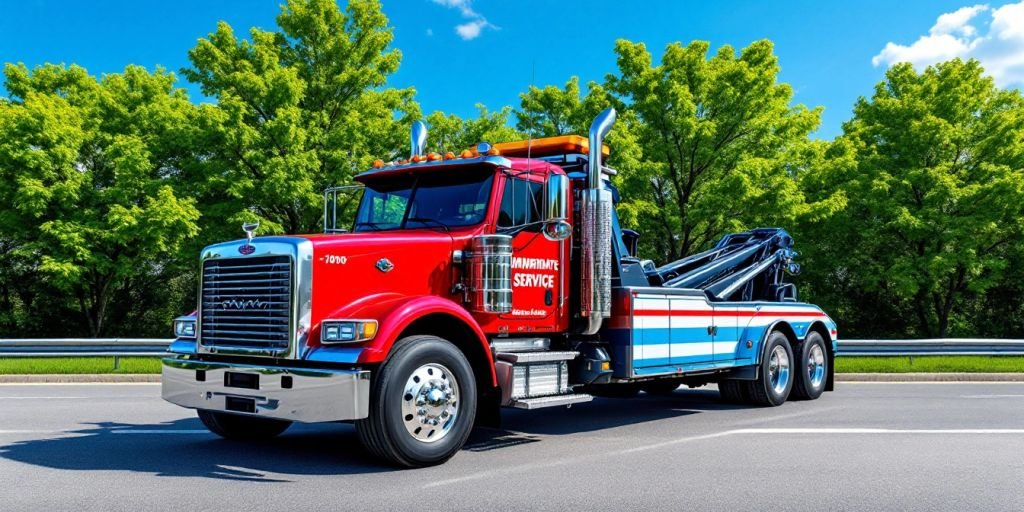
[{"x": 712, "y": 330}]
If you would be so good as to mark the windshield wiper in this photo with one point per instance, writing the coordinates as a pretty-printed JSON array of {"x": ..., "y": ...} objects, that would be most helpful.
[
  {"x": 374, "y": 225},
  {"x": 425, "y": 220}
]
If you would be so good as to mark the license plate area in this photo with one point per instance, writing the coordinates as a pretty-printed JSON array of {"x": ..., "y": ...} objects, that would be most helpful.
[
  {"x": 240, "y": 404},
  {"x": 241, "y": 380}
]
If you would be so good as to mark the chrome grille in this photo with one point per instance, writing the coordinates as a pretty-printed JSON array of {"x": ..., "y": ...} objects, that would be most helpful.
[{"x": 246, "y": 303}]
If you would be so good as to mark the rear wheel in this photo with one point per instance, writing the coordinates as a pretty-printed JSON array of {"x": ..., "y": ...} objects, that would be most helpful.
[
  {"x": 732, "y": 391},
  {"x": 775, "y": 379},
  {"x": 422, "y": 405},
  {"x": 813, "y": 369},
  {"x": 243, "y": 428}
]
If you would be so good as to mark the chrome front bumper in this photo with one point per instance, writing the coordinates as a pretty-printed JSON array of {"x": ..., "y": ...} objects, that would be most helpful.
[{"x": 295, "y": 394}]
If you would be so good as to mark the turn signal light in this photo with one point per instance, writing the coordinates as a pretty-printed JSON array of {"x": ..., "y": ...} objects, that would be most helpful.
[{"x": 346, "y": 331}]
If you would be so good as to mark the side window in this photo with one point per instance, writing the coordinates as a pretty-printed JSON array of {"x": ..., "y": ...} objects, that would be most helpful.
[{"x": 520, "y": 203}]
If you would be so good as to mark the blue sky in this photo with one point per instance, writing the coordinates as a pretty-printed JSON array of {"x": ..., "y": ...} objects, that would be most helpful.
[{"x": 457, "y": 53}]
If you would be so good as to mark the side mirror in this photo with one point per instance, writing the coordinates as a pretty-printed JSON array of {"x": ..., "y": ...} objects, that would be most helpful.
[{"x": 556, "y": 208}]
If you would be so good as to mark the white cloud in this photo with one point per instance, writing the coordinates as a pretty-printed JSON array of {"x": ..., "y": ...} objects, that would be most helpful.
[
  {"x": 470, "y": 30},
  {"x": 476, "y": 24},
  {"x": 993, "y": 36}
]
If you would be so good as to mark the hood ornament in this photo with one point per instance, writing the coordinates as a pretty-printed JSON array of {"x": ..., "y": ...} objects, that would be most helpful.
[
  {"x": 250, "y": 229},
  {"x": 384, "y": 265}
]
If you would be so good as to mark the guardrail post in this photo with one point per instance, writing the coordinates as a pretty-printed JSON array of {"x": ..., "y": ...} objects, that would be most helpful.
[{"x": 117, "y": 362}]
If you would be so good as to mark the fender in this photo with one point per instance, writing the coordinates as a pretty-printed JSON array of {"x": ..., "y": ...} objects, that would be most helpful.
[{"x": 394, "y": 313}]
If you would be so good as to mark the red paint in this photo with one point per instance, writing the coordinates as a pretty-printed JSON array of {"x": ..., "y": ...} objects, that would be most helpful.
[{"x": 347, "y": 283}]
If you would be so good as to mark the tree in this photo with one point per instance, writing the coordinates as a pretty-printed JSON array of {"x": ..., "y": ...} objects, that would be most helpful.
[
  {"x": 299, "y": 109},
  {"x": 719, "y": 138},
  {"x": 449, "y": 132},
  {"x": 932, "y": 166},
  {"x": 87, "y": 167}
]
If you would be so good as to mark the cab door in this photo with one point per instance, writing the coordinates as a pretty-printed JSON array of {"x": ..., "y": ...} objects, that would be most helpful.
[{"x": 537, "y": 285}]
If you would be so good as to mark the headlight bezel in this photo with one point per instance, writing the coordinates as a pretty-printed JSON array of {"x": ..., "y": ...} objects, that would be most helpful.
[
  {"x": 338, "y": 331},
  {"x": 185, "y": 327}
]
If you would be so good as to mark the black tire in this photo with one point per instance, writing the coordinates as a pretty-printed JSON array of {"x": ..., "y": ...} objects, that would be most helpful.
[
  {"x": 733, "y": 391},
  {"x": 766, "y": 390},
  {"x": 242, "y": 428},
  {"x": 812, "y": 373},
  {"x": 384, "y": 432},
  {"x": 660, "y": 387}
]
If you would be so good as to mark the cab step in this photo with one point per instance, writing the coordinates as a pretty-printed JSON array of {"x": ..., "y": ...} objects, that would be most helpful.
[
  {"x": 551, "y": 401},
  {"x": 536, "y": 357}
]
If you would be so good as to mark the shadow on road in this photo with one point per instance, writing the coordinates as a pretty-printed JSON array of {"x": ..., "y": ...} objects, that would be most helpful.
[{"x": 331, "y": 449}]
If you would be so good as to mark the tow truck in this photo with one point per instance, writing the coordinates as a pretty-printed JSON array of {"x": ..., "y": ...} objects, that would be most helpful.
[{"x": 496, "y": 277}]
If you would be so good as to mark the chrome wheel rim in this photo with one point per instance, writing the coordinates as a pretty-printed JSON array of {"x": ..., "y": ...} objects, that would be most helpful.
[
  {"x": 816, "y": 366},
  {"x": 778, "y": 369},
  {"x": 430, "y": 403}
]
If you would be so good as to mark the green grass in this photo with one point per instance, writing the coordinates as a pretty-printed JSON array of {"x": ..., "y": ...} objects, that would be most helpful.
[
  {"x": 931, "y": 364},
  {"x": 78, "y": 365},
  {"x": 926, "y": 364}
]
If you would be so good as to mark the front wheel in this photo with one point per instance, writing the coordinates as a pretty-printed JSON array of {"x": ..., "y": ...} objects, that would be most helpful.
[
  {"x": 775, "y": 379},
  {"x": 422, "y": 405},
  {"x": 242, "y": 428}
]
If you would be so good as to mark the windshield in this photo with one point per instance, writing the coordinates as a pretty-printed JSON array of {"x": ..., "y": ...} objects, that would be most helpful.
[{"x": 445, "y": 200}]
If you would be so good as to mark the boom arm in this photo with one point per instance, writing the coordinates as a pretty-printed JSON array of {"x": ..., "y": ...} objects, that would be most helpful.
[{"x": 741, "y": 266}]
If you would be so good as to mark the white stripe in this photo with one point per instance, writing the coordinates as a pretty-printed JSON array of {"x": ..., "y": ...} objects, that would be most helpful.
[
  {"x": 663, "y": 350},
  {"x": 52, "y": 397},
  {"x": 954, "y": 431}
]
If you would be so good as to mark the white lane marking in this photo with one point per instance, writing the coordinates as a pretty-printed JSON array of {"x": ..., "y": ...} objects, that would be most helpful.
[
  {"x": 901, "y": 431},
  {"x": 840, "y": 382},
  {"x": 716, "y": 435},
  {"x": 87, "y": 431},
  {"x": 2, "y": 384},
  {"x": 50, "y": 397},
  {"x": 991, "y": 396}
]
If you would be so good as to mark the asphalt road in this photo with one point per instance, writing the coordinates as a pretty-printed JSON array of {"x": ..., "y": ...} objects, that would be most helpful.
[{"x": 866, "y": 446}]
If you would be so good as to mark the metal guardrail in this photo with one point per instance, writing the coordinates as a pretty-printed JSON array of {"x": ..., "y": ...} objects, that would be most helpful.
[
  {"x": 932, "y": 347},
  {"x": 148, "y": 347},
  {"x": 83, "y": 347}
]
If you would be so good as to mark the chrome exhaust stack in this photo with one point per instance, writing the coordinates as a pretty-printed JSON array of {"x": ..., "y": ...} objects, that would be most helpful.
[
  {"x": 596, "y": 233},
  {"x": 418, "y": 138}
]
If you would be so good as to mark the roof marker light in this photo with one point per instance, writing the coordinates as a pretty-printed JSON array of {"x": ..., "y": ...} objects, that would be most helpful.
[
  {"x": 449, "y": 155},
  {"x": 377, "y": 164}
]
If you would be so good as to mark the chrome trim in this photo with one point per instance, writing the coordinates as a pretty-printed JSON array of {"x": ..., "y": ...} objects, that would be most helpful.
[
  {"x": 497, "y": 161},
  {"x": 316, "y": 395},
  {"x": 430, "y": 402},
  {"x": 596, "y": 233},
  {"x": 300, "y": 250},
  {"x": 490, "y": 274},
  {"x": 598, "y": 130},
  {"x": 350, "y": 320},
  {"x": 418, "y": 138},
  {"x": 186, "y": 318}
]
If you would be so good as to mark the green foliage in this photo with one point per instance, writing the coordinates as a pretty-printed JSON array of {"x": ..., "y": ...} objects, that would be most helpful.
[
  {"x": 297, "y": 110},
  {"x": 87, "y": 174},
  {"x": 449, "y": 132},
  {"x": 931, "y": 167},
  {"x": 910, "y": 223}
]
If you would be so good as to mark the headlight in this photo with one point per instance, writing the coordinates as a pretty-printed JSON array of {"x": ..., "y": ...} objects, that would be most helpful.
[
  {"x": 185, "y": 327},
  {"x": 346, "y": 331}
]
